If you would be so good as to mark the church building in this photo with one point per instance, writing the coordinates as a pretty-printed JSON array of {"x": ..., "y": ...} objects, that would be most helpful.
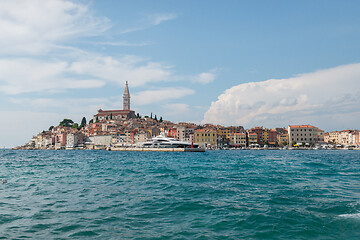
[{"x": 123, "y": 114}]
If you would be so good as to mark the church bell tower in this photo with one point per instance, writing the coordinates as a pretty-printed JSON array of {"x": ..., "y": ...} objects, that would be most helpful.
[{"x": 126, "y": 98}]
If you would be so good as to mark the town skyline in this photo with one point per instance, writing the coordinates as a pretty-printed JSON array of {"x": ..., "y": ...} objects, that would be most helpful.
[
  {"x": 125, "y": 130},
  {"x": 240, "y": 63}
]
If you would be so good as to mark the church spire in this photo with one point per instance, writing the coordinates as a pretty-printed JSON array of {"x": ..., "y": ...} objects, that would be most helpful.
[{"x": 126, "y": 98}]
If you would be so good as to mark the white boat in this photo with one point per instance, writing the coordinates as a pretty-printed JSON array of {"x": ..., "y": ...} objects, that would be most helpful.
[{"x": 167, "y": 142}]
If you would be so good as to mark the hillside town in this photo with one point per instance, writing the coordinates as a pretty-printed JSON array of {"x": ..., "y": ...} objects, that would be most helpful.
[{"x": 124, "y": 128}]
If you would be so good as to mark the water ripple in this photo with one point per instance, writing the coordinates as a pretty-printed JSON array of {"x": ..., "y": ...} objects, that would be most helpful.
[{"x": 215, "y": 195}]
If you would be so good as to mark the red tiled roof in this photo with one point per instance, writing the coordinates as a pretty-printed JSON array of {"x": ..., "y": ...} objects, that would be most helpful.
[
  {"x": 113, "y": 112},
  {"x": 301, "y": 126}
]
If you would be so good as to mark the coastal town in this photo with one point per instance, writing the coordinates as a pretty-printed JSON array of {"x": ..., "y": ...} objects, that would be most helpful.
[{"x": 121, "y": 129}]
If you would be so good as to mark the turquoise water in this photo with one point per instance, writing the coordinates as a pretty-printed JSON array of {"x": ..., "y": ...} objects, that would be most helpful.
[{"x": 212, "y": 195}]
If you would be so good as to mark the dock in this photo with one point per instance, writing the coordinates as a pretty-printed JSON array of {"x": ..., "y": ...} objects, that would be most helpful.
[{"x": 157, "y": 149}]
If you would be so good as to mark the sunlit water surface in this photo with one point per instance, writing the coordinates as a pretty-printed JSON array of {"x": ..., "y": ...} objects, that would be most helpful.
[{"x": 212, "y": 195}]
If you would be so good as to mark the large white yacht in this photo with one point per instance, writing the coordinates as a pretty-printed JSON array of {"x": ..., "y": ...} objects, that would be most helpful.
[{"x": 167, "y": 142}]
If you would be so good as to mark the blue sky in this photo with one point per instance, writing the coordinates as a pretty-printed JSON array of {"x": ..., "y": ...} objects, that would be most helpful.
[{"x": 269, "y": 63}]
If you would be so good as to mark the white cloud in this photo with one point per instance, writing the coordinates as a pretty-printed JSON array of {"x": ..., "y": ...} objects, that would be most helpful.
[
  {"x": 133, "y": 69},
  {"x": 206, "y": 77},
  {"x": 160, "y": 95},
  {"x": 307, "y": 98},
  {"x": 123, "y": 44},
  {"x": 37, "y": 26},
  {"x": 151, "y": 20},
  {"x": 21, "y": 75},
  {"x": 159, "y": 18}
]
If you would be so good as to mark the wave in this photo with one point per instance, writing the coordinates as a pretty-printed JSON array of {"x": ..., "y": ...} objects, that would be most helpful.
[{"x": 350, "y": 215}]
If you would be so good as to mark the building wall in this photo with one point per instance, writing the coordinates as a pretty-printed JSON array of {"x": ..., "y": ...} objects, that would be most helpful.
[
  {"x": 238, "y": 139},
  {"x": 205, "y": 138},
  {"x": 101, "y": 140},
  {"x": 252, "y": 138},
  {"x": 334, "y": 137},
  {"x": 259, "y": 133},
  {"x": 303, "y": 134},
  {"x": 283, "y": 138}
]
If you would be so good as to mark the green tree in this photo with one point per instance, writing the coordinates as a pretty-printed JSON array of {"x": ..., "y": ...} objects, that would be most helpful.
[
  {"x": 83, "y": 122},
  {"x": 66, "y": 123},
  {"x": 151, "y": 115},
  {"x": 276, "y": 144},
  {"x": 110, "y": 116},
  {"x": 155, "y": 118},
  {"x": 50, "y": 128},
  {"x": 137, "y": 115},
  {"x": 293, "y": 143},
  {"x": 97, "y": 119},
  {"x": 91, "y": 121},
  {"x": 160, "y": 119},
  {"x": 75, "y": 125}
]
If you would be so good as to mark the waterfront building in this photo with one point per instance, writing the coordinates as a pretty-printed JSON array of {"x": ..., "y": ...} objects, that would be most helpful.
[
  {"x": 252, "y": 138},
  {"x": 272, "y": 136},
  {"x": 299, "y": 134},
  {"x": 334, "y": 137},
  {"x": 265, "y": 136},
  {"x": 356, "y": 139},
  {"x": 259, "y": 133},
  {"x": 238, "y": 140},
  {"x": 141, "y": 137},
  {"x": 74, "y": 139},
  {"x": 223, "y": 136},
  {"x": 283, "y": 139},
  {"x": 345, "y": 137},
  {"x": 154, "y": 131},
  {"x": 173, "y": 133},
  {"x": 320, "y": 136},
  {"x": 205, "y": 137},
  {"x": 100, "y": 141},
  {"x": 326, "y": 137}
]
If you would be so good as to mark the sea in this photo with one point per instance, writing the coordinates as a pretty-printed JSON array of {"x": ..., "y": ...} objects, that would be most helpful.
[{"x": 220, "y": 194}]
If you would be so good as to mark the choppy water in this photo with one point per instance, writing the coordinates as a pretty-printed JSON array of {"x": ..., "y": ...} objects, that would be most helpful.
[{"x": 212, "y": 195}]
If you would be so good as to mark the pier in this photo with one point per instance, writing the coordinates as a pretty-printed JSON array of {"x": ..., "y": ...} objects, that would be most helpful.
[{"x": 157, "y": 149}]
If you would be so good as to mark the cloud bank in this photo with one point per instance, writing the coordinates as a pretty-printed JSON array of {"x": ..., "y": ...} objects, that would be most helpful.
[
  {"x": 159, "y": 95},
  {"x": 37, "y": 26},
  {"x": 323, "y": 97}
]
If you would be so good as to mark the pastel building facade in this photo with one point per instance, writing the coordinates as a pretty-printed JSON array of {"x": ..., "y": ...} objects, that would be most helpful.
[
  {"x": 205, "y": 137},
  {"x": 303, "y": 134},
  {"x": 238, "y": 139}
]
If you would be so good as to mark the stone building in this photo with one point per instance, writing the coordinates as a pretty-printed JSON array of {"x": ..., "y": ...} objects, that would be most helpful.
[{"x": 123, "y": 114}]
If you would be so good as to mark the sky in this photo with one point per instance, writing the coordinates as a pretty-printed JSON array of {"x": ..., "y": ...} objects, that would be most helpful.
[{"x": 249, "y": 63}]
